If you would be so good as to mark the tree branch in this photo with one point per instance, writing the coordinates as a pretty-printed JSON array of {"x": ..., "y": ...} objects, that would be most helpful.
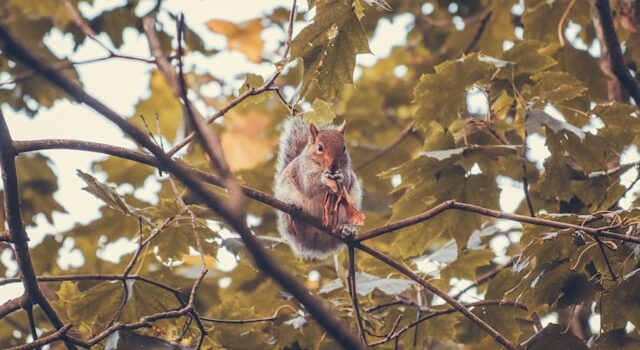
[
  {"x": 618, "y": 66},
  {"x": 53, "y": 337},
  {"x": 351, "y": 281},
  {"x": 448, "y": 299},
  {"x": 452, "y": 204},
  {"x": 24, "y": 146},
  {"x": 19, "y": 236},
  {"x": 262, "y": 259},
  {"x": 485, "y": 277},
  {"x": 12, "y": 305},
  {"x": 476, "y": 37},
  {"x": 267, "y": 86},
  {"x": 380, "y": 153},
  {"x": 434, "y": 313}
]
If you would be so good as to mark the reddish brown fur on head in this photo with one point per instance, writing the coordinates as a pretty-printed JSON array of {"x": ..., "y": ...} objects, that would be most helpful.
[{"x": 327, "y": 147}]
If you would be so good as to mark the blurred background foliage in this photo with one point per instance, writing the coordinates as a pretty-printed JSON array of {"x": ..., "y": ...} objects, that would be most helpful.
[{"x": 445, "y": 116}]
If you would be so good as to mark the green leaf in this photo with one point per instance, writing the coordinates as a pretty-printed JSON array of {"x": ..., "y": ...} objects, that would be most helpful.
[
  {"x": 537, "y": 117},
  {"x": 121, "y": 171},
  {"x": 161, "y": 104},
  {"x": 328, "y": 48},
  {"x": 526, "y": 57},
  {"x": 554, "y": 337},
  {"x": 558, "y": 86},
  {"x": 37, "y": 184},
  {"x": 541, "y": 18},
  {"x": 89, "y": 309},
  {"x": 620, "y": 304},
  {"x": 145, "y": 299},
  {"x": 321, "y": 115},
  {"x": 367, "y": 283},
  {"x": 465, "y": 265},
  {"x": 617, "y": 339},
  {"x": 233, "y": 336},
  {"x": 105, "y": 193},
  {"x": 441, "y": 96},
  {"x": 114, "y": 22},
  {"x": 253, "y": 81}
]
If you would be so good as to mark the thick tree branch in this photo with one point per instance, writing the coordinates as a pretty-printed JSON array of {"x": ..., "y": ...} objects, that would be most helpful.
[
  {"x": 19, "y": 236},
  {"x": 121, "y": 152},
  {"x": 262, "y": 259},
  {"x": 618, "y": 66}
]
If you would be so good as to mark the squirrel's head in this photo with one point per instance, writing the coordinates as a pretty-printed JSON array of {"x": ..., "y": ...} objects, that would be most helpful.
[{"x": 327, "y": 147}]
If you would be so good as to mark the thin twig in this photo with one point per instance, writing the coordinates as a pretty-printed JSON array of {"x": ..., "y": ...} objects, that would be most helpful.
[
  {"x": 485, "y": 278},
  {"x": 452, "y": 204},
  {"x": 245, "y": 321},
  {"x": 64, "y": 65},
  {"x": 53, "y": 337},
  {"x": 525, "y": 176},
  {"x": 435, "y": 313},
  {"x": 563, "y": 19},
  {"x": 481, "y": 28},
  {"x": 127, "y": 270},
  {"x": 385, "y": 305},
  {"x": 456, "y": 305},
  {"x": 12, "y": 305},
  {"x": 76, "y": 17},
  {"x": 394, "y": 327},
  {"x": 267, "y": 86},
  {"x": 380, "y": 153},
  {"x": 32, "y": 323},
  {"x": 351, "y": 283}
]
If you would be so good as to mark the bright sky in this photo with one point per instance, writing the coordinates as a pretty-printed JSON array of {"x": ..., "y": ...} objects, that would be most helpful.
[{"x": 120, "y": 83}]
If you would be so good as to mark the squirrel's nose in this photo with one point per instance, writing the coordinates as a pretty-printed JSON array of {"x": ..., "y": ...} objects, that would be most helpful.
[{"x": 333, "y": 166}]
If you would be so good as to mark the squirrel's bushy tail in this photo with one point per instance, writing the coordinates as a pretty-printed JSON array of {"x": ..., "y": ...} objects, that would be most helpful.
[{"x": 293, "y": 139}]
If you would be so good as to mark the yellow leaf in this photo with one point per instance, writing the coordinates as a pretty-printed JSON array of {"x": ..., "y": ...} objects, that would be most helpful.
[
  {"x": 245, "y": 142},
  {"x": 243, "y": 37}
]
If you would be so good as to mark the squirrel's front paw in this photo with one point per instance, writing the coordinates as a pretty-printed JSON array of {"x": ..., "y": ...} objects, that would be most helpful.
[{"x": 347, "y": 231}]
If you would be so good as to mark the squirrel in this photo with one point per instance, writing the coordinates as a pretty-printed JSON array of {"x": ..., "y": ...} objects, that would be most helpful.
[{"x": 308, "y": 158}]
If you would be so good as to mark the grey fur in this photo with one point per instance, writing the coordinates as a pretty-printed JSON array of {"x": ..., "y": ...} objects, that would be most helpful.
[{"x": 299, "y": 181}]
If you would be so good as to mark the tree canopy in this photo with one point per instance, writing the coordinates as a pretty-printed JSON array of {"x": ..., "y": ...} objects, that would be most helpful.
[{"x": 541, "y": 96}]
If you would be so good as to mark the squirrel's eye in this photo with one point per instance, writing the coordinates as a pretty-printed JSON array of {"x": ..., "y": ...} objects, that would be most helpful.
[
  {"x": 344, "y": 149},
  {"x": 320, "y": 148}
]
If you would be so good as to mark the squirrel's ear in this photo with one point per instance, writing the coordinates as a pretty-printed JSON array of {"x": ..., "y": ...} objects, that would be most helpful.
[
  {"x": 342, "y": 127},
  {"x": 314, "y": 132}
]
